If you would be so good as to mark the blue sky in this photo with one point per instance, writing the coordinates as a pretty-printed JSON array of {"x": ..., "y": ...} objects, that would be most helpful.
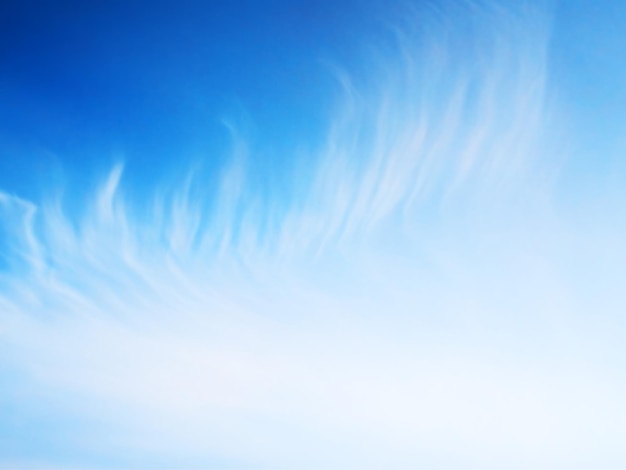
[
  {"x": 307, "y": 234},
  {"x": 147, "y": 80}
]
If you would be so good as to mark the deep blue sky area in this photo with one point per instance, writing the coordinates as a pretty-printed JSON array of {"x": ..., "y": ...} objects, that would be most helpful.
[{"x": 83, "y": 84}]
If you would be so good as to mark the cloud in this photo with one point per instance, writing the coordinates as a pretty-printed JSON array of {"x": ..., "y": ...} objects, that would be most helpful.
[{"x": 408, "y": 304}]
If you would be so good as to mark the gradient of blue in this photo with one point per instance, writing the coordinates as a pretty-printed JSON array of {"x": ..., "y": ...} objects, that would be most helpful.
[
  {"x": 85, "y": 83},
  {"x": 588, "y": 43}
]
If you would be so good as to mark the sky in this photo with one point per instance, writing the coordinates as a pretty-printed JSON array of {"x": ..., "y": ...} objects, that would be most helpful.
[{"x": 312, "y": 234}]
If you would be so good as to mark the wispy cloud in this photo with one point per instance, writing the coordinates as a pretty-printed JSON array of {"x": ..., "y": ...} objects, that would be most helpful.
[{"x": 409, "y": 302}]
